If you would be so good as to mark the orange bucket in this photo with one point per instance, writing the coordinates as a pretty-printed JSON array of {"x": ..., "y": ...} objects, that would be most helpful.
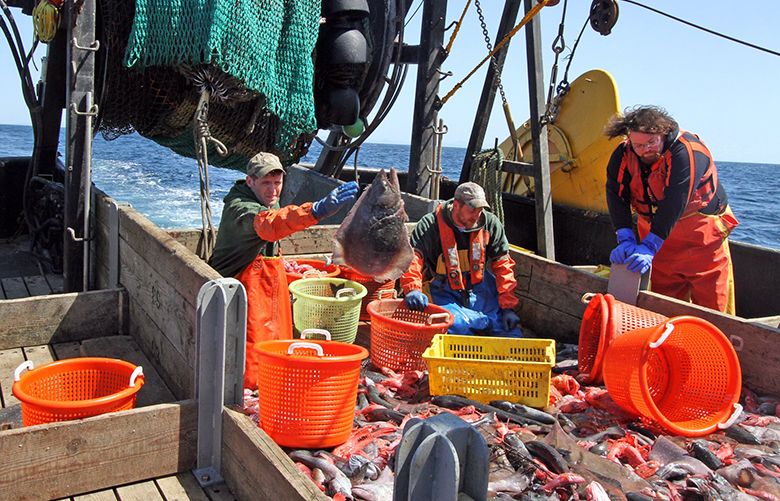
[
  {"x": 320, "y": 269},
  {"x": 75, "y": 388},
  {"x": 605, "y": 319},
  {"x": 373, "y": 288},
  {"x": 400, "y": 335},
  {"x": 684, "y": 374},
  {"x": 307, "y": 391}
]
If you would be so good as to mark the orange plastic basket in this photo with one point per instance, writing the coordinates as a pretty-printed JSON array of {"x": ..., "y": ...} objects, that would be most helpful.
[
  {"x": 307, "y": 391},
  {"x": 605, "y": 319},
  {"x": 75, "y": 388},
  {"x": 320, "y": 269},
  {"x": 683, "y": 374},
  {"x": 373, "y": 288},
  {"x": 400, "y": 335}
]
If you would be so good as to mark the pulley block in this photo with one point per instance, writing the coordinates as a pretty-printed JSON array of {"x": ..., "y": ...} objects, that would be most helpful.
[{"x": 603, "y": 15}]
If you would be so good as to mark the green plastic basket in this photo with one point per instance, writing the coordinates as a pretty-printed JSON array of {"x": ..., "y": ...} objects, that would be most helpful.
[{"x": 332, "y": 304}]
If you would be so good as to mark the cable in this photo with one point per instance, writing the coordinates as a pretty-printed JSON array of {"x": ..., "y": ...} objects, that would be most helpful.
[{"x": 712, "y": 32}]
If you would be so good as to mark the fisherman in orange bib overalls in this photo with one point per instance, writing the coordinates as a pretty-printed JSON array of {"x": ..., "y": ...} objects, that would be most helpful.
[
  {"x": 669, "y": 178},
  {"x": 247, "y": 247}
]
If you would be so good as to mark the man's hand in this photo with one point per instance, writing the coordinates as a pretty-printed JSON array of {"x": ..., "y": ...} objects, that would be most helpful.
[
  {"x": 642, "y": 257},
  {"x": 625, "y": 247},
  {"x": 334, "y": 200},
  {"x": 509, "y": 319},
  {"x": 416, "y": 300}
]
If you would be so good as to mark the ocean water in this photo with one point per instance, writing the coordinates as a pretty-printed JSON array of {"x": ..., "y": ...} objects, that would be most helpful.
[{"x": 164, "y": 186}]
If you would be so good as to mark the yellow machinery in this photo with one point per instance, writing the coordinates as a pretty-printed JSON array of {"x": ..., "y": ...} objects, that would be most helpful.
[{"x": 579, "y": 151}]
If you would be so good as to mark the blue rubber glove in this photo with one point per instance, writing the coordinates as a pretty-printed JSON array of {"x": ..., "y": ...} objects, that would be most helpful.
[
  {"x": 509, "y": 319},
  {"x": 416, "y": 300},
  {"x": 639, "y": 261},
  {"x": 336, "y": 199},
  {"x": 625, "y": 247}
]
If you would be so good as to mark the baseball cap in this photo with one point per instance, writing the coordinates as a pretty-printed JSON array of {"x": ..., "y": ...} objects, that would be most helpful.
[
  {"x": 471, "y": 194},
  {"x": 263, "y": 163}
]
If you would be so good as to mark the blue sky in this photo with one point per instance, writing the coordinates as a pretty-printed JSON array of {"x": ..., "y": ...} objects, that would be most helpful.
[{"x": 725, "y": 92}]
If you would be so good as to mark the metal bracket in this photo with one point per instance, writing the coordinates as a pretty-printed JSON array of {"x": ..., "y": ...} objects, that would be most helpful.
[
  {"x": 93, "y": 47},
  {"x": 221, "y": 334},
  {"x": 93, "y": 110}
]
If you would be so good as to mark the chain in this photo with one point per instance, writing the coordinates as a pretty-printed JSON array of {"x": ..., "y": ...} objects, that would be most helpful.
[
  {"x": 489, "y": 45},
  {"x": 554, "y": 101}
]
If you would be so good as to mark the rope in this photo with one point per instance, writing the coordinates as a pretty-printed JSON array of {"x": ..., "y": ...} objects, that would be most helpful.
[
  {"x": 529, "y": 15},
  {"x": 486, "y": 172},
  {"x": 457, "y": 27},
  {"x": 203, "y": 137},
  {"x": 712, "y": 32}
]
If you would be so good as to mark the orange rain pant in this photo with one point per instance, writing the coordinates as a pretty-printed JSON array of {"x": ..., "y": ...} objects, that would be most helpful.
[
  {"x": 269, "y": 315},
  {"x": 694, "y": 263}
]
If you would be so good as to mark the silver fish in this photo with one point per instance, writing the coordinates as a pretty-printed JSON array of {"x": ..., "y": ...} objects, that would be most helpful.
[{"x": 373, "y": 239}]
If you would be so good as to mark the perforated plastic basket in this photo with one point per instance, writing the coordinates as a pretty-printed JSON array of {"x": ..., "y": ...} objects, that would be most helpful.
[
  {"x": 307, "y": 391},
  {"x": 684, "y": 374},
  {"x": 605, "y": 319},
  {"x": 491, "y": 368},
  {"x": 75, "y": 388},
  {"x": 373, "y": 288},
  {"x": 327, "y": 303},
  {"x": 399, "y": 335}
]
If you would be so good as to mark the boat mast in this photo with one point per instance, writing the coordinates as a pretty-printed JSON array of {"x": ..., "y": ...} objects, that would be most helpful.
[
  {"x": 80, "y": 91},
  {"x": 431, "y": 55}
]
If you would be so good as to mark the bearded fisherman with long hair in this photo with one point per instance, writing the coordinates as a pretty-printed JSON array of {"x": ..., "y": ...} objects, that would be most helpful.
[{"x": 668, "y": 177}]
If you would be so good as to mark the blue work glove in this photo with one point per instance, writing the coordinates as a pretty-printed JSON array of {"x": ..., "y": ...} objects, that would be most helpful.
[
  {"x": 416, "y": 300},
  {"x": 509, "y": 319},
  {"x": 334, "y": 200},
  {"x": 625, "y": 247},
  {"x": 639, "y": 261}
]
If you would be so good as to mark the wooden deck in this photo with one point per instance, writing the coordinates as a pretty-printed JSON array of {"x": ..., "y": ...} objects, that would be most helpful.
[{"x": 15, "y": 260}]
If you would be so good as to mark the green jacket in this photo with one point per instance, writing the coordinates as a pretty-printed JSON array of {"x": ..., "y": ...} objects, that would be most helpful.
[{"x": 237, "y": 242}]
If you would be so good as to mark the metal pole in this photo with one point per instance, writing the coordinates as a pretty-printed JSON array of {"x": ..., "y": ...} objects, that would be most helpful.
[{"x": 542, "y": 194}]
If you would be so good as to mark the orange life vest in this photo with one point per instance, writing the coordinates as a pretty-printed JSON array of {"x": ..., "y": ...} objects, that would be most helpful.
[
  {"x": 449, "y": 251},
  {"x": 647, "y": 191}
]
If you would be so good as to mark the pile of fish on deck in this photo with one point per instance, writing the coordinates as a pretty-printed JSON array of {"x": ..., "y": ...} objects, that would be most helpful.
[{"x": 582, "y": 446}]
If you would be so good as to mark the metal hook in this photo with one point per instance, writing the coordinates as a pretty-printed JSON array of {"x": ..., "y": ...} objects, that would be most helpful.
[{"x": 93, "y": 47}]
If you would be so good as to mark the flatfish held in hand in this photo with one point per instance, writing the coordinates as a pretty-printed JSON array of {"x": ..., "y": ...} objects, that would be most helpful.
[{"x": 373, "y": 239}]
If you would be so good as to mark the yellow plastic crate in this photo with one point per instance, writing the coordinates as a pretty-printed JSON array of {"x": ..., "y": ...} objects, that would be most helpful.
[{"x": 491, "y": 368}]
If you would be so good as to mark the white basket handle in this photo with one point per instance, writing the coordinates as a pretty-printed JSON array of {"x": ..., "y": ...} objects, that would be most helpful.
[
  {"x": 392, "y": 293},
  {"x": 667, "y": 332},
  {"x": 299, "y": 344},
  {"x": 730, "y": 421},
  {"x": 313, "y": 273},
  {"x": 587, "y": 297},
  {"x": 435, "y": 316},
  {"x": 139, "y": 371},
  {"x": 345, "y": 291},
  {"x": 24, "y": 365},
  {"x": 324, "y": 332}
]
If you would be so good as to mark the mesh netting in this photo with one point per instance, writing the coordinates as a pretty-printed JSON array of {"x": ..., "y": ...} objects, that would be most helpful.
[{"x": 253, "y": 59}]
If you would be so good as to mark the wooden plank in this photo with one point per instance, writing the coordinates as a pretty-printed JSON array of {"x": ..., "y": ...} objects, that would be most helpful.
[
  {"x": 141, "y": 491},
  {"x": 181, "y": 486},
  {"x": 9, "y": 361},
  {"x": 187, "y": 237},
  {"x": 39, "y": 355},
  {"x": 755, "y": 344},
  {"x": 177, "y": 266},
  {"x": 37, "y": 285},
  {"x": 14, "y": 288},
  {"x": 56, "y": 283},
  {"x": 172, "y": 312},
  {"x": 125, "y": 348},
  {"x": 66, "y": 350},
  {"x": 61, "y": 318},
  {"x": 175, "y": 370},
  {"x": 316, "y": 239},
  {"x": 68, "y": 458},
  {"x": 256, "y": 468},
  {"x": 105, "y": 495}
]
